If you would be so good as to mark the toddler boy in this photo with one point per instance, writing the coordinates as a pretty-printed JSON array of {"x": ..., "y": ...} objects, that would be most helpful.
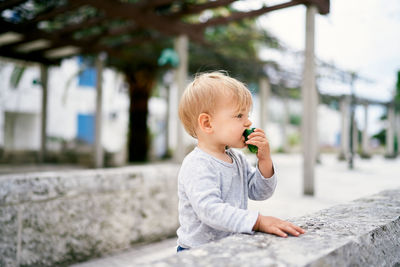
[{"x": 214, "y": 181}]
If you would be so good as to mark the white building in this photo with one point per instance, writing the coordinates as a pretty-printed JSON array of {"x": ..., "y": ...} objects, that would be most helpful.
[{"x": 71, "y": 107}]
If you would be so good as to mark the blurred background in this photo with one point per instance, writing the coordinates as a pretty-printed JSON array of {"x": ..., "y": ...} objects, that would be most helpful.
[
  {"x": 356, "y": 48},
  {"x": 90, "y": 84}
]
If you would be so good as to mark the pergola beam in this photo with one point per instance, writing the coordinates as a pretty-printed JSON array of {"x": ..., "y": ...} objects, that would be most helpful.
[
  {"x": 28, "y": 57},
  {"x": 242, "y": 15},
  {"x": 322, "y": 5},
  {"x": 58, "y": 40},
  {"x": 28, "y": 37},
  {"x": 90, "y": 44}
]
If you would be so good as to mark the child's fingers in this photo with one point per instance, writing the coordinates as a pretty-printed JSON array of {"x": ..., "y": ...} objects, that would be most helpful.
[
  {"x": 254, "y": 134},
  {"x": 297, "y": 228},
  {"x": 258, "y": 130},
  {"x": 259, "y": 141},
  {"x": 278, "y": 232},
  {"x": 290, "y": 230}
]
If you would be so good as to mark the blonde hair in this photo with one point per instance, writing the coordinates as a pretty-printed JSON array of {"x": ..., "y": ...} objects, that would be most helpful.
[{"x": 201, "y": 96}]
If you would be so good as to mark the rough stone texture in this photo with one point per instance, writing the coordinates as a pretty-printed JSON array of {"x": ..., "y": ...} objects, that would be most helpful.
[
  {"x": 365, "y": 232},
  {"x": 64, "y": 217},
  {"x": 8, "y": 235}
]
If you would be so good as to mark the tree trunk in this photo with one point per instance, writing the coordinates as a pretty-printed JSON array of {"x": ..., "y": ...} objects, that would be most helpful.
[{"x": 140, "y": 85}]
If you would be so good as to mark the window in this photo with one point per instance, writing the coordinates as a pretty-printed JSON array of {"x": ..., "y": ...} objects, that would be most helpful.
[
  {"x": 87, "y": 76},
  {"x": 86, "y": 128}
]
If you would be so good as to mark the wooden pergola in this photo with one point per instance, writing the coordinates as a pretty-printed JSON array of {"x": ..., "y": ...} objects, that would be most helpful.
[
  {"x": 30, "y": 31},
  {"x": 31, "y": 39}
]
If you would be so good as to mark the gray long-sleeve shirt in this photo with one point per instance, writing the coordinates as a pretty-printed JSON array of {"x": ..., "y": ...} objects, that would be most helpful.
[{"x": 213, "y": 197}]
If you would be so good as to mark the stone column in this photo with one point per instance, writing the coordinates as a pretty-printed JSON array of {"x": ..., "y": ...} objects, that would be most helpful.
[
  {"x": 182, "y": 47},
  {"x": 398, "y": 132},
  {"x": 345, "y": 130},
  {"x": 98, "y": 147},
  {"x": 44, "y": 71},
  {"x": 285, "y": 123},
  {"x": 365, "y": 138},
  {"x": 167, "y": 115},
  {"x": 309, "y": 102},
  {"x": 390, "y": 131},
  {"x": 355, "y": 136},
  {"x": 168, "y": 80},
  {"x": 265, "y": 91}
]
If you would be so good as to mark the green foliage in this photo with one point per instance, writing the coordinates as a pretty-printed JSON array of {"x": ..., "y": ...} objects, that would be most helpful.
[
  {"x": 295, "y": 119},
  {"x": 168, "y": 57},
  {"x": 397, "y": 93},
  {"x": 294, "y": 93},
  {"x": 294, "y": 139},
  {"x": 398, "y": 86},
  {"x": 334, "y": 104},
  {"x": 381, "y": 136}
]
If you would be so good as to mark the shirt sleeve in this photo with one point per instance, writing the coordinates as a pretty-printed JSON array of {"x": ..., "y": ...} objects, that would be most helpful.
[
  {"x": 204, "y": 193},
  {"x": 261, "y": 188}
]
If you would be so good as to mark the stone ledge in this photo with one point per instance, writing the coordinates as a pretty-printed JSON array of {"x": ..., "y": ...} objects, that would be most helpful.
[
  {"x": 365, "y": 232},
  {"x": 57, "y": 218},
  {"x": 36, "y": 187}
]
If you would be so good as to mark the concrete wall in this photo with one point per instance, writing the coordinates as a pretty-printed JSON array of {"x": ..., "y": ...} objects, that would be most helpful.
[
  {"x": 52, "y": 219},
  {"x": 365, "y": 232}
]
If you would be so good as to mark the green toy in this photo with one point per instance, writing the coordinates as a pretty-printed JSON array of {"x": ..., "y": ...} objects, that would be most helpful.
[{"x": 246, "y": 133}]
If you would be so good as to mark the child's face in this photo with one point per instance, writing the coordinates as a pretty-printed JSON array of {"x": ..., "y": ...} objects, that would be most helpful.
[{"x": 229, "y": 123}]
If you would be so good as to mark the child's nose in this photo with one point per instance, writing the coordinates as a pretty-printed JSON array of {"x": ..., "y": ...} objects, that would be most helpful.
[{"x": 248, "y": 123}]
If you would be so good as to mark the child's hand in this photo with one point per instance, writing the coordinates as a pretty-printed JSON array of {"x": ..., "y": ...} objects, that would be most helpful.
[
  {"x": 259, "y": 139},
  {"x": 272, "y": 225}
]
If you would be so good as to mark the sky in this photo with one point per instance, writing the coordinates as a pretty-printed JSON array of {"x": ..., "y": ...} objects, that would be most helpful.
[{"x": 361, "y": 36}]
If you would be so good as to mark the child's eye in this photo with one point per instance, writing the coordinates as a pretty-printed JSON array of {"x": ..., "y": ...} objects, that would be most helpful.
[{"x": 239, "y": 116}]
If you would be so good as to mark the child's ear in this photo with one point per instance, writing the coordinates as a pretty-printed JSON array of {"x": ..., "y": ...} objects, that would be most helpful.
[{"x": 204, "y": 121}]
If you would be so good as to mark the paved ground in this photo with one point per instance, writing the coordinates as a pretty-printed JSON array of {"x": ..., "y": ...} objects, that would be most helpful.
[{"x": 334, "y": 184}]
